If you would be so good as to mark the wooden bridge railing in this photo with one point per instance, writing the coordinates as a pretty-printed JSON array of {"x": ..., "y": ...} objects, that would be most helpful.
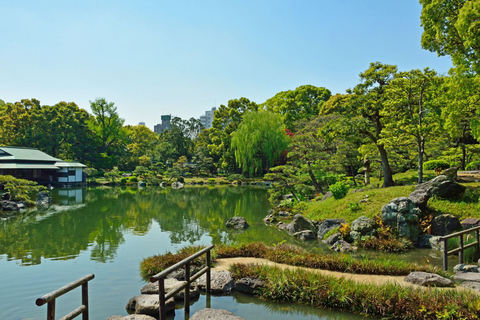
[
  {"x": 462, "y": 247},
  {"x": 160, "y": 277},
  {"x": 50, "y": 299}
]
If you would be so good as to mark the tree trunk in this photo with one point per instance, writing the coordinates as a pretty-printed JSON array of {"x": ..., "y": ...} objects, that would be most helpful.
[
  {"x": 387, "y": 171},
  {"x": 420, "y": 164},
  {"x": 315, "y": 183},
  {"x": 464, "y": 155}
]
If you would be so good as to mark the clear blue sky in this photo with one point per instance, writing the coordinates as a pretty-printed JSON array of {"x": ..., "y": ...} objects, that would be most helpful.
[{"x": 184, "y": 57}]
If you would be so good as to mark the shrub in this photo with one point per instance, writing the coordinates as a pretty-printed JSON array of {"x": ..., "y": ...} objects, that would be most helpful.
[
  {"x": 211, "y": 181},
  {"x": 20, "y": 189},
  {"x": 354, "y": 206},
  {"x": 123, "y": 180},
  {"x": 133, "y": 179},
  {"x": 339, "y": 190},
  {"x": 475, "y": 165},
  {"x": 436, "y": 164}
]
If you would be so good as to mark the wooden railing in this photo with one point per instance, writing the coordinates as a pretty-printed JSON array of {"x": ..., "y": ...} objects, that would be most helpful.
[
  {"x": 50, "y": 299},
  {"x": 462, "y": 247},
  {"x": 160, "y": 277}
]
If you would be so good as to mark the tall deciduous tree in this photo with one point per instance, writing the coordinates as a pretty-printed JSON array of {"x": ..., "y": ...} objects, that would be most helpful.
[
  {"x": 106, "y": 123},
  {"x": 259, "y": 141},
  {"x": 452, "y": 27},
  {"x": 364, "y": 107},
  {"x": 302, "y": 103},
  {"x": 412, "y": 98},
  {"x": 225, "y": 121}
]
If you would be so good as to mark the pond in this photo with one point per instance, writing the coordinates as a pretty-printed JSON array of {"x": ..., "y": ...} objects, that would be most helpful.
[{"x": 108, "y": 231}]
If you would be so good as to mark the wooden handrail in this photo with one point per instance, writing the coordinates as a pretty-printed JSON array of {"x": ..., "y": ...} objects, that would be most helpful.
[
  {"x": 462, "y": 247},
  {"x": 50, "y": 299},
  {"x": 160, "y": 277}
]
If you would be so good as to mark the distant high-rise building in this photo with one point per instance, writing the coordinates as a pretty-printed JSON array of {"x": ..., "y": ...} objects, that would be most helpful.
[
  {"x": 141, "y": 123},
  {"x": 165, "y": 125},
  {"x": 207, "y": 119}
]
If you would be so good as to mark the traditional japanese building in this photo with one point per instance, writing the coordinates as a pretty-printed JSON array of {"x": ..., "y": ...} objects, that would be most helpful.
[{"x": 35, "y": 165}]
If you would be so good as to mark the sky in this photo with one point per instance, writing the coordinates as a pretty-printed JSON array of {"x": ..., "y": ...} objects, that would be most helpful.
[{"x": 185, "y": 57}]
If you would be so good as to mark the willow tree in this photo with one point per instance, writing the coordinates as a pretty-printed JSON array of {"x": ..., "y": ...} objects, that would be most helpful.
[{"x": 259, "y": 141}]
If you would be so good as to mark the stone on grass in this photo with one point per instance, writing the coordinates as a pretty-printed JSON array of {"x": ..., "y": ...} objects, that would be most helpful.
[
  {"x": 445, "y": 224},
  {"x": 333, "y": 238},
  {"x": 237, "y": 223},
  {"x": 300, "y": 223},
  {"x": 214, "y": 314},
  {"x": 221, "y": 282},
  {"x": 342, "y": 246},
  {"x": 471, "y": 285},
  {"x": 426, "y": 279}
]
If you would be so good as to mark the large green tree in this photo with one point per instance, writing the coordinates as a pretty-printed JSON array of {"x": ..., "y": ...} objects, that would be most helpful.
[
  {"x": 412, "y": 99},
  {"x": 452, "y": 27},
  {"x": 303, "y": 103},
  {"x": 363, "y": 108},
  {"x": 106, "y": 123},
  {"x": 259, "y": 141},
  {"x": 226, "y": 120}
]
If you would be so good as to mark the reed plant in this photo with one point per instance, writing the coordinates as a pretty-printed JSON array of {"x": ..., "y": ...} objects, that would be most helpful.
[{"x": 388, "y": 301}]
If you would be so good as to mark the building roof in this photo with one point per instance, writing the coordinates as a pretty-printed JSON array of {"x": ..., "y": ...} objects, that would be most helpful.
[
  {"x": 27, "y": 166},
  {"x": 65, "y": 164},
  {"x": 25, "y": 154}
]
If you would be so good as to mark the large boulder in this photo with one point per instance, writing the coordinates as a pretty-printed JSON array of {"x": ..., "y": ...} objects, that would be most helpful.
[
  {"x": 221, "y": 282},
  {"x": 326, "y": 225},
  {"x": 43, "y": 200},
  {"x": 148, "y": 304},
  {"x": 305, "y": 235},
  {"x": 300, "y": 223},
  {"x": 333, "y": 238},
  {"x": 343, "y": 246},
  {"x": 249, "y": 285},
  {"x": 426, "y": 279},
  {"x": 430, "y": 242},
  {"x": 237, "y": 223},
  {"x": 132, "y": 317},
  {"x": 7, "y": 205},
  {"x": 441, "y": 186},
  {"x": 445, "y": 224},
  {"x": 214, "y": 314},
  {"x": 402, "y": 215},
  {"x": 362, "y": 226}
]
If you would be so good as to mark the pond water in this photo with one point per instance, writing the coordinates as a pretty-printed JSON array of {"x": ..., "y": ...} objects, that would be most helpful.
[{"x": 108, "y": 231}]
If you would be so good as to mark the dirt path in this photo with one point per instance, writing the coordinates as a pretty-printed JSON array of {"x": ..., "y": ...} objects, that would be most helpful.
[{"x": 223, "y": 264}]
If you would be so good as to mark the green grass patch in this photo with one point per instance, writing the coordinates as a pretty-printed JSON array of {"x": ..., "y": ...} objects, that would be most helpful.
[
  {"x": 465, "y": 207},
  {"x": 381, "y": 301},
  {"x": 342, "y": 208}
]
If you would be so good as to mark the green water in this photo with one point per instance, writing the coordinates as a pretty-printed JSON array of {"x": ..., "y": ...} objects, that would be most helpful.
[{"x": 107, "y": 231}]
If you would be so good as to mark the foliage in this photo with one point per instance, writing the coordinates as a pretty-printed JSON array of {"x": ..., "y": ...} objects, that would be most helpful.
[
  {"x": 475, "y": 165},
  {"x": 388, "y": 301},
  {"x": 436, "y": 164},
  {"x": 303, "y": 103},
  {"x": 20, "y": 189},
  {"x": 259, "y": 141},
  {"x": 339, "y": 190},
  {"x": 331, "y": 232}
]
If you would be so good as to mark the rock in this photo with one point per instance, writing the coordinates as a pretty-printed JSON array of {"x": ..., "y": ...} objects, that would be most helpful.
[
  {"x": 471, "y": 285},
  {"x": 132, "y": 317},
  {"x": 148, "y": 304},
  {"x": 326, "y": 225},
  {"x": 214, "y": 314},
  {"x": 343, "y": 246},
  {"x": 466, "y": 268},
  {"x": 470, "y": 223},
  {"x": 5, "y": 196},
  {"x": 43, "y": 200},
  {"x": 221, "y": 282},
  {"x": 285, "y": 214},
  {"x": 451, "y": 173},
  {"x": 141, "y": 184},
  {"x": 426, "y": 279},
  {"x": 237, "y": 223},
  {"x": 282, "y": 225},
  {"x": 333, "y": 238},
  {"x": 402, "y": 215},
  {"x": 440, "y": 186},
  {"x": 270, "y": 219},
  {"x": 288, "y": 196},
  {"x": 300, "y": 223},
  {"x": 170, "y": 285},
  {"x": 430, "y": 242},
  {"x": 326, "y": 196},
  {"x": 445, "y": 224},
  {"x": 7, "y": 205},
  {"x": 177, "y": 185},
  {"x": 467, "y": 276},
  {"x": 305, "y": 235},
  {"x": 362, "y": 226},
  {"x": 249, "y": 285}
]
